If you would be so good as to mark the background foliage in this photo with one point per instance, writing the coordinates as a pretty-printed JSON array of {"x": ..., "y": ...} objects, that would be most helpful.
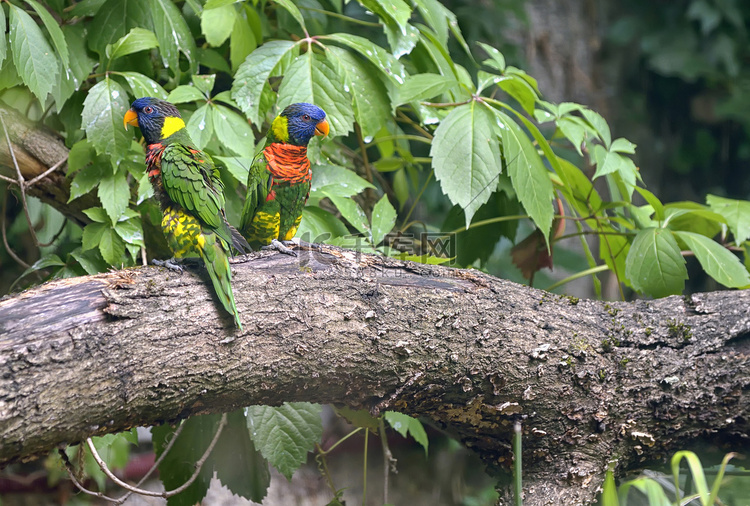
[{"x": 431, "y": 132}]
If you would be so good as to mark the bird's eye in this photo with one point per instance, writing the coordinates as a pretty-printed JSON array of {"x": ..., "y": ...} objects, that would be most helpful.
[
  {"x": 148, "y": 109},
  {"x": 306, "y": 117}
]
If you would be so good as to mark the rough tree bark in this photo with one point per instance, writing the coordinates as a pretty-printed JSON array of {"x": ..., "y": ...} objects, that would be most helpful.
[{"x": 591, "y": 381}]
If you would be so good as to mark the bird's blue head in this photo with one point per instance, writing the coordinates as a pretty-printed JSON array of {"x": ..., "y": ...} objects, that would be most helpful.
[
  {"x": 298, "y": 123},
  {"x": 157, "y": 119}
]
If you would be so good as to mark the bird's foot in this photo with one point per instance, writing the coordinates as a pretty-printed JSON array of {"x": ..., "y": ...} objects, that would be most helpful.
[
  {"x": 170, "y": 264},
  {"x": 280, "y": 247}
]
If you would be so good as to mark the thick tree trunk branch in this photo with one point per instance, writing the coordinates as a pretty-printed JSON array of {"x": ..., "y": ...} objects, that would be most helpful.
[{"x": 591, "y": 381}]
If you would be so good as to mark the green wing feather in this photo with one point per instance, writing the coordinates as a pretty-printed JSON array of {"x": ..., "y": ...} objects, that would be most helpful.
[{"x": 258, "y": 187}]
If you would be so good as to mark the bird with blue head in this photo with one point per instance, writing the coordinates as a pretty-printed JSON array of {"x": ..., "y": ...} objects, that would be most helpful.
[{"x": 190, "y": 192}]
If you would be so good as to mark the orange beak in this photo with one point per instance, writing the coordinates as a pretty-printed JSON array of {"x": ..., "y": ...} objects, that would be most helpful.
[
  {"x": 322, "y": 128},
  {"x": 131, "y": 118}
]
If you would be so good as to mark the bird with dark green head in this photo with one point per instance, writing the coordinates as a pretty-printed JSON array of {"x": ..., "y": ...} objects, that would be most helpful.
[
  {"x": 191, "y": 195},
  {"x": 279, "y": 181}
]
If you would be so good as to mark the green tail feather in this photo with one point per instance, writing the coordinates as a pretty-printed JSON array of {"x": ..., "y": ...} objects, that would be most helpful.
[{"x": 217, "y": 265}]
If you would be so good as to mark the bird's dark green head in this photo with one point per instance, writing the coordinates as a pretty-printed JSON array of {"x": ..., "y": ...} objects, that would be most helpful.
[
  {"x": 157, "y": 119},
  {"x": 298, "y": 123}
]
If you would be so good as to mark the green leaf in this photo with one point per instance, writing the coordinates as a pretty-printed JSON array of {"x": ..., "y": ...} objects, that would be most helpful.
[
  {"x": 358, "y": 417},
  {"x": 466, "y": 157},
  {"x": 497, "y": 60},
  {"x": 74, "y": 75},
  {"x": 200, "y": 126},
  {"x": 239, "y": 466},
  {"x": 3, "y": 40},
  {"x": 179, "y": 463},
  {"x": 185, "y": 93},
  {"x": 137, "y": 39},
  {"x": 114, "y": 449},
  {"x": 653, "y": 201},
  {"x": 336, "y": 180},
  {"x": 92, "y": 235},
  {"x": 131, "y": 231},
  {"x": 573, "y": 131},
  {"x": 253, "y": 74},
  {"x": 293, "y": 10},
  {"x": 114, "y": 19},
  {"x": 520, "y": 91},
  {"x": 217, "y": 23},
  {"x": 114, "y": 194},
  {"x": 599, "y": 124},
  {"x": 651, "y": 488},
  {"x": 238, "y": 166},
  {"x": 352, "y": 213},
  {"x": 80, "y": 155},
  {"x": 622, "y": 145},
  {"x": 383, "y": 219},
  {"x": 654, "y": 264},
  {"x": 382, "y": 59},
  {"x": 608, "y": 162},
  {"x": 103, "y": 110},
  {"x": 173, "y": 35},
  {"x": 111, "y": 246},
  {"x": 527, "y": 172},
  {"x": 369, "y": 95},
  {"x": 318, "y": 225},
  {"x": 212, "y": 59},
  {"x": 90, "y": 261},
  {"x": 312, "y": 78},
  {"x": 243, "y": 40},
  {"x": 233, "y": 131},
  {"x": 609, "y": 490},
  {"x": 97, "y": 214},
  {"x": 204, "y": 83},
  {"x": 716, "y": 260},
  {"x": 696, "y": 469},
  {"x": 404, "y": 424},
  {"x": 212, "y": 4},
  {"x": 401, "y": 40},
  {"x": 737, "y": 214},
  {"x": 285, "y": 434},
  {"x": 48, "y": 260},
  {"x": 693, "y": 217},
  {"x": 423, "y": 86},
  {"x": 434, "y": 15},
  {"x": 143, "y": 86},
  {"x": 32, "y": 54},
  {"x": 55, "y": 33},
  {"x": 397, "y": 10}
]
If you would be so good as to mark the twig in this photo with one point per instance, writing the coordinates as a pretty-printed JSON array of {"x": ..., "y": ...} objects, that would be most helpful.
[
  {"x": 46, "y": 172},
  {"x": 388, "y": 460},
  {"x": 71, "y": 473},
  {"x": 54, "y": 238},
  {"x": 21, "y": 182},
  {"x": 5, "y": 236},
  {"x": 169, "y": 493}
]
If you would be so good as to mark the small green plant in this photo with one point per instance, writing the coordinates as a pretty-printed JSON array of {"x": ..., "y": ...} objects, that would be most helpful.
[{"x": 654, "y": 491}]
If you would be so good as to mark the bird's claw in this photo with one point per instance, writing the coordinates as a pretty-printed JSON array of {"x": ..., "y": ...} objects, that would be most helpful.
[
  {"x": 280, "y": 247},
  {"x": 169, "y": 264}
]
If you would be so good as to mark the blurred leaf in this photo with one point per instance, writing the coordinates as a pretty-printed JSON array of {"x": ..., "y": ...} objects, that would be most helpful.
[
  {"x": 179, "y": 464},
  {"x": 654, "y": 263},
  {"x": 103, "y": 110},
  {"x": 609, "y": 491},
  {"x": 382, "y": 59},
  {"x": 737, "y": 214},
  {"x": 253, "y": 73},
  {"x": 114, "y": 194},
  {"x": 422, "y": 87},
  {"x": 137, "y": 39},
  {"x": 173, "y": 35},
  {"x": 405, "y": 424},
  {"x": 243, "y": 40},
  {"x": 143, "y": 86},
  {"x": 357, "y": 417},
  {"x": 312, "y": 78},
  {"x": 335, "y": 180},
  {"x": 200, "y": 126},
  {"x": 233, "y": 131},
  {"x": 352, "y": 213},
  {"x": 383, "y": 219},
  {"x": 217, "y": 23},
  {"x": 90, "y": 260},
  {"x": 185, "y": 93},
  {"x": 318, "y": 225},
  {"x": 285, "y": 434},
  {"x": 716, "y": 260},
  {"x": 238, "y": 166},
  {"x": 293, "y": 10},
  {"x": 33, "y": 57},
  {"x": 650, "y": 487},
  {"x": 530, "y": 177},
  {"x": 369, "y": 95},
  {"x": 466, "y": 157},
  {"x": 55, "y": 33},
  {"x": 239, "y": 466},
  {"x": 696, "y": 469},
  {"x": 3, "y": 39}
]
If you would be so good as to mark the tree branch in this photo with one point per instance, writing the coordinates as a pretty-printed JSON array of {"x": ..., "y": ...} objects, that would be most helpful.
[{"x": 592, "y": 381}]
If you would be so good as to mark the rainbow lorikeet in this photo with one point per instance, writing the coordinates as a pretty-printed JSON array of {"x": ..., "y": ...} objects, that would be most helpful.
[
  {"x": 279, "y": 181},
  {"x": 190, "y": 193}
]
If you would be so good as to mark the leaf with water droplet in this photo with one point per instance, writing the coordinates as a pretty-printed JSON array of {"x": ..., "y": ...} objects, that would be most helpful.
[{"x": 103, "y": 110}]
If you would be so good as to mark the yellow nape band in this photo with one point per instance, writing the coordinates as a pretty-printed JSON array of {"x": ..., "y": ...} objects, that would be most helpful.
[
  {"x": 279, "y": 128},
  {"x": 171, "y": 125}
]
